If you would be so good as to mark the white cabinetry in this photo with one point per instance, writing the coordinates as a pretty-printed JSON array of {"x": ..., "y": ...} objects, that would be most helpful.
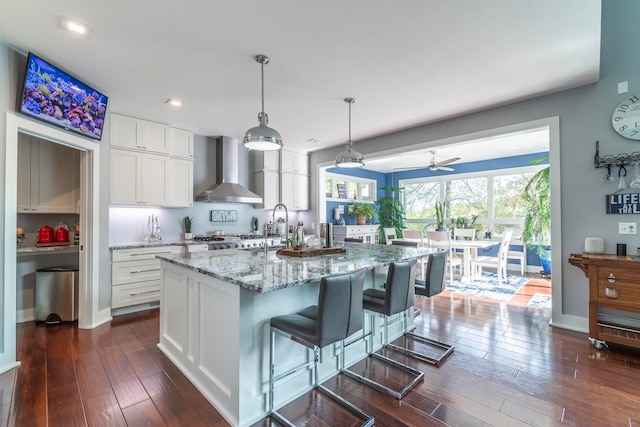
[
  {"x": 135, "y": 273},
  {"x": 48, "y": 176},
  {"x": 282, "y": 177},
  {"x": 138, "y": 178},
  {"x": 368, "y": 233},
  {"x": 151, "y": 164},
  {"x": 138, "y": 134},
  {"x": 180, "y": 143}
]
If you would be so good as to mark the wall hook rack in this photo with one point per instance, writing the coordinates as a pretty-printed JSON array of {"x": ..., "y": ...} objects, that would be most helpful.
[{"x": 619, "y": 160}]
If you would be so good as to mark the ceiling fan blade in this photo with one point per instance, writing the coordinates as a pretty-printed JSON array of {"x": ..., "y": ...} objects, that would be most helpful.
[
  {"x": 407, "y": 169},
  {"x": 445, "y": 168},
  {"x": 446, "y": 162}
]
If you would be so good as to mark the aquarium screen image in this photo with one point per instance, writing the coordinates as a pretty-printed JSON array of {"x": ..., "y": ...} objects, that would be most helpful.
[{"x": 51, "y": 95}]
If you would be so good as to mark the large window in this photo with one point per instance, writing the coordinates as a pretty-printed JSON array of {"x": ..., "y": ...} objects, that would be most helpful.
[{"x": 492, "y": 199}]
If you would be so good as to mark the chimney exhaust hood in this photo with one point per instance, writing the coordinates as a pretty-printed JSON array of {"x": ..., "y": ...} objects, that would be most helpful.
[{"x": 227, "y": 189}]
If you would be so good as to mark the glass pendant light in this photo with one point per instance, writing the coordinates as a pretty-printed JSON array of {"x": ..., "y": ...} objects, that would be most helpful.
[
  {"x": 350, "y": 158},
  {"x": 262, "y": 137}
]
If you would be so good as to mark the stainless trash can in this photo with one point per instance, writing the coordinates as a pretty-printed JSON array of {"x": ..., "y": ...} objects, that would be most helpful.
[{"x": 57, "y": 294}]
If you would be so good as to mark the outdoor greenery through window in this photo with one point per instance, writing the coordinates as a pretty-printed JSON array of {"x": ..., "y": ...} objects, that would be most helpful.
[
  {"x": 354, "y": 187},
  {"x": 493, "y": 198}
]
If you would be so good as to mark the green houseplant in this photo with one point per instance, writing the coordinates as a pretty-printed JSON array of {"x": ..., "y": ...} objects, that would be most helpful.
[
  {"x": 187, "y": 223},
  {"x": 361, "y": 211},
  {"x": 439, "y": 216},
  {"x": 391, "y": 213},
  {"x": 537, "y": 221}
]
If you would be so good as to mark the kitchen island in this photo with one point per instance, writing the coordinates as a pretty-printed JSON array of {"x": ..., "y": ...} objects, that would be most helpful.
[{"x": 215, "y": 309}]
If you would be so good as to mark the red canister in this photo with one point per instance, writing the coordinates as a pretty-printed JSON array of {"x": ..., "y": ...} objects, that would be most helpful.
[
  {"x": 45, "y": 234},
  {"x": 62, "y": 235}
]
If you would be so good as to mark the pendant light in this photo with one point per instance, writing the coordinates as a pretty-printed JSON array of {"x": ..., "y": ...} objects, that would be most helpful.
[
  {"x": 262, "y": 137},
  {"x": 350, "y": 158}
]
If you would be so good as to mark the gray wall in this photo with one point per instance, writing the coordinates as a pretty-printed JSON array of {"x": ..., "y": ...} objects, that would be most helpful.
[{"x": 585, "y": 117}]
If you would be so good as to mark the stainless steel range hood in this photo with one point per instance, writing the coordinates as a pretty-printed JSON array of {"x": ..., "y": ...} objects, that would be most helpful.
[{"x": 227, "y": 189}]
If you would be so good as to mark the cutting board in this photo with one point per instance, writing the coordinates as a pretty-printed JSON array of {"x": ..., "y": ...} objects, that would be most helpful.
[
  {"x": 309, "y": 252},
  {"x": 44, "y": 245}
]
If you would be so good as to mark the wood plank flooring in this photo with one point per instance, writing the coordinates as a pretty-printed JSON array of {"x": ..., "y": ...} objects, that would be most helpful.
[{"x": 509, "y": 368}]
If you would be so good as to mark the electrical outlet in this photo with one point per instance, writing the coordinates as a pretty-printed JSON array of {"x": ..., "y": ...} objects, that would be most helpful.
[{"x": 627, "y": 228}]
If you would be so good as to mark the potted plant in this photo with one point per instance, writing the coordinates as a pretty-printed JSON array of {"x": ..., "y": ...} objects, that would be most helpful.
[
  {"x": 439, "y": 216},
  {"x": 391, "y": 213},
  {"x": 362, "y": 212},
  {"x": 187, "y": 222},
  {"x": 537, "y": 221}
]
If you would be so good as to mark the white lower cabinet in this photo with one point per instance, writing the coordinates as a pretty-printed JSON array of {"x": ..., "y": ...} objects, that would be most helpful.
[
  {"x": 135, "y": 273},
  {"x": 368, "y": 233}
]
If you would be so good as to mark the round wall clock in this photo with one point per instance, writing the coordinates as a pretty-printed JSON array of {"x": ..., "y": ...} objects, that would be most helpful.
[{"x": 625, "y": 118}]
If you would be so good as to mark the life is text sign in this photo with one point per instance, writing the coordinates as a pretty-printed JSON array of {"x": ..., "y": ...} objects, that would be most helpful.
[{"x": 623, "y": 203}]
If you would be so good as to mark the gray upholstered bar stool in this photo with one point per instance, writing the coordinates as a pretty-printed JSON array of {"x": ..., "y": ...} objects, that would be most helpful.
[
  {"x": 396, "y": 298},
  {"x": 432, "y": 284},
  {"x": 337, "y": 316}
]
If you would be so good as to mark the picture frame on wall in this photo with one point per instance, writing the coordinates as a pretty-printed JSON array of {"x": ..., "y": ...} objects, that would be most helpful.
[{"x": 342, "y": 191}]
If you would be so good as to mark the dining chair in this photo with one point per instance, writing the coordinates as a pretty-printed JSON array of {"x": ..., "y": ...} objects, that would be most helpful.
[
  {"x": 521, "y": 256},
  {"x": 389, "y": 235},
  {"x": 498, "y": 262},
  {"x": 442, "y": 240},
  {"x": 413, "y": 234},
  {"x": 464, "y": 234}
]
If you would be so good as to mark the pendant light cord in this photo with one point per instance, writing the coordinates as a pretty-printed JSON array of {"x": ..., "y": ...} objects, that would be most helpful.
[{"x": 262, "y": 80}]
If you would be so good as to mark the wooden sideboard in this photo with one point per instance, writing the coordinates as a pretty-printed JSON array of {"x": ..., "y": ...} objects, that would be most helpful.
[{"x": 614, "y": 297}]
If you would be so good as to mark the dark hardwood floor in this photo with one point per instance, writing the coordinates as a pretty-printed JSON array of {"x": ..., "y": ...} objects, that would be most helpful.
[{"x": 509, "y": 368}]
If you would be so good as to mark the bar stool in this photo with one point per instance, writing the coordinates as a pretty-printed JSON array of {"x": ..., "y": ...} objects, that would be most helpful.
[
  {"x": 396, "y": 298},
  {"x": 337, "y": 316},
  {"x": 433, "y": 283}
]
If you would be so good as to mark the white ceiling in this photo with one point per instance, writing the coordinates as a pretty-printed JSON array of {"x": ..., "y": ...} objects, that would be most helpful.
[{"x": 406, "y": 63}]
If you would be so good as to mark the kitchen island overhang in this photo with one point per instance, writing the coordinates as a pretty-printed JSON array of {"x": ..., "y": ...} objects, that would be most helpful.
[{"x": 215, "y": 310}]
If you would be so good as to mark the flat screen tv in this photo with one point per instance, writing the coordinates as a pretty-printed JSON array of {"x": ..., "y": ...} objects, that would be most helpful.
[{"x": 54, "y": 96}]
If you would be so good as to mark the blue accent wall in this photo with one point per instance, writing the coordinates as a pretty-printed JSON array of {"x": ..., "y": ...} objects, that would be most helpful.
[{"x": 380, "y": 179}]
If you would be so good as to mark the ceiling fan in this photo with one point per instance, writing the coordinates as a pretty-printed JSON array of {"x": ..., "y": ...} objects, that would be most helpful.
[{"x": 435, "y": 165}]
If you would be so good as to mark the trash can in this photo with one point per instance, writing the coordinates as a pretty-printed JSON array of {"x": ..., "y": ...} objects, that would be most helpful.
[{"x": 57, "y": 294}]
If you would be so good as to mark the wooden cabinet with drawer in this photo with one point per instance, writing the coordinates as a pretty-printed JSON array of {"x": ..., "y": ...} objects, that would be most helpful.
[
  {"x": 614, "y": 297},
  {"x": 135, "y": 275}
]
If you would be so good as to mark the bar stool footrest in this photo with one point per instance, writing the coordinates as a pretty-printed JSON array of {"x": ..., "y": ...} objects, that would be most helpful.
[
  {"x": 398, "y": 394},
  {"x": 447, "y": 349}
]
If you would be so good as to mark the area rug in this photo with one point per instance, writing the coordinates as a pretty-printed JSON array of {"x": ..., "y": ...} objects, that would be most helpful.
[
  {"x": 540, "y": 301},
  {"x": 486, "y": 286}
]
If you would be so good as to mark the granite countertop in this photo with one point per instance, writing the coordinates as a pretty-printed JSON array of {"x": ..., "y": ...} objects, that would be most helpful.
[
  {"x": 35, "y": 250},
  {"x": 251, "y": 270},
  {"x": 134, "y": 245}
]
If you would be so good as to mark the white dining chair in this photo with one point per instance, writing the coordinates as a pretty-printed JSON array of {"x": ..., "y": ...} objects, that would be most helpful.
[
  {"x": 498, "y": 262},
  {"x": 521, "y": 256},
  {"x": 413, "y": 234},
  {"x": 464, "y": 234},
  {"x": 442, "y": 240},
  {"x": 389, "y": 235}
]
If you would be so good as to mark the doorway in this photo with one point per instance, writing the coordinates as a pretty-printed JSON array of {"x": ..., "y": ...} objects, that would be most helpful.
[{"x": 89, "y": 315}]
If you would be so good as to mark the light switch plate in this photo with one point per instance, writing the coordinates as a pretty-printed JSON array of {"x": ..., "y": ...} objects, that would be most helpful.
[
  {"x": 627, "y": 228},
  {"x": 623, "y": 87}
]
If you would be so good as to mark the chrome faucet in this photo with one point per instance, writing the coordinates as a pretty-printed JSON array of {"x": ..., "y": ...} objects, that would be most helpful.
[{"x": 286, "y": 218}]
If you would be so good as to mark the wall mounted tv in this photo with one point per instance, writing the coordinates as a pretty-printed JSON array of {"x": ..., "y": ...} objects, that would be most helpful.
[{"x": 54, "y": 96}]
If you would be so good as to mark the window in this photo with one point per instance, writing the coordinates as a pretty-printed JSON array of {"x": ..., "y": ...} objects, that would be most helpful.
[
  {"x": 494, "y": 198},
  {"x": 356, "y": 188}
]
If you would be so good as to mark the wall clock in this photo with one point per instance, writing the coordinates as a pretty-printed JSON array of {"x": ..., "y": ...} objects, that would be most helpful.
[{"x": 625, "y": 118}]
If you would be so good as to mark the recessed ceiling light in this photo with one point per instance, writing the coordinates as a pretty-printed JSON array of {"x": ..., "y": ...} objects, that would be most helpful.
[
  {"x": 174, "y": 102},
  {"x": 74, "y": 26}
]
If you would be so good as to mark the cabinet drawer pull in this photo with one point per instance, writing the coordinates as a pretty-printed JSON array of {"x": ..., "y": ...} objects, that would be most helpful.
[
  {"x": 150, "y": 253},
  {"x": 611, "y": 292},
  {"x": 611, "y": 278},
  {"x": 145, "y": 271},
  {"x": 133, "y": 294}
]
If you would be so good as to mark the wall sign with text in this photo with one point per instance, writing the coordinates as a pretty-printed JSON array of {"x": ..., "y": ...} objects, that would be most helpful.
[
  {"x": 223, "y": 216},
  {"x": 623, "y": 203}
]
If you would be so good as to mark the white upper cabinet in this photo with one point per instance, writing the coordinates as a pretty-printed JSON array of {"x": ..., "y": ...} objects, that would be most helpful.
[
  {"x": 138, "y": 178},
  {"x": 180, "y": 143},
  {"x": 294, "y": 162},
  {"x": 48, "y": 176},
  {"x": 267, "y": 160},
  {"x": 180, "y": 183},
  {"x": 138, "y": 134}
]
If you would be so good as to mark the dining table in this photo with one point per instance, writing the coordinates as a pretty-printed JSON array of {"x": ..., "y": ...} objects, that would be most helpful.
[{"x": 469, "y": 250}]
